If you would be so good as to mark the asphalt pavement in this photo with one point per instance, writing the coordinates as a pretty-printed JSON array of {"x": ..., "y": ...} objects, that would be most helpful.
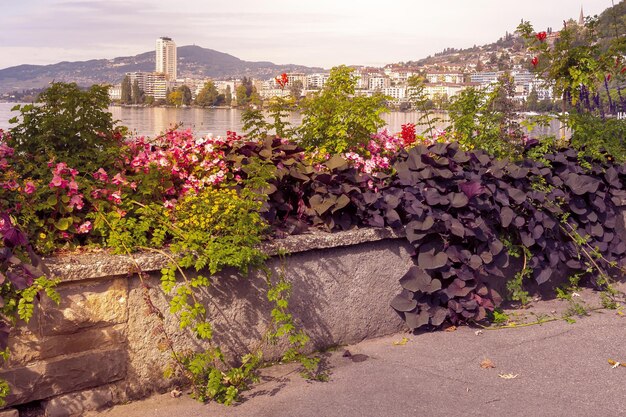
[{"x": 557, "y": 368}]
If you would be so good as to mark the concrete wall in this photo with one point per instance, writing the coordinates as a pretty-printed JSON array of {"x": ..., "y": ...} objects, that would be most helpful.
[{"x": 102, "y": 345}]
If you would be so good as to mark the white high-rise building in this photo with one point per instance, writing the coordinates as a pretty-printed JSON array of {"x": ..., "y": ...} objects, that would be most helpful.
[{"x": 166, "y": 57}]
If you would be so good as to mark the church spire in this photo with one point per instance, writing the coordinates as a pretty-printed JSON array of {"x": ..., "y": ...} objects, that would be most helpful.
[{"x": 581, "y": 19}]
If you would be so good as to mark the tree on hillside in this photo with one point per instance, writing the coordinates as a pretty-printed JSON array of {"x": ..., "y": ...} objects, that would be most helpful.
[{"x": 127, "y": 94}]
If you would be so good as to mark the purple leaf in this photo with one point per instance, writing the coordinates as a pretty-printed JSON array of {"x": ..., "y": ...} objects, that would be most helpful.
[{"x": 471, "y": 188}]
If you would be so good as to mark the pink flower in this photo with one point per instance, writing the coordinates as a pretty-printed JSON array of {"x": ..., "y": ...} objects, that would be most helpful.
[
  {"x": 101, "y": 175},
  {"x": 99, "y": 192},
  {"x": 57, "y": 181},
  {"x": 116, "y": 197},
  {"x": 118, "y": 179},
  {"x": 76, "y": 201},
  {"x": 10, "y": 185},
  {"x": 72, "y": 187},
  {"x": 61, "y": 166},
  {"x": 29, "y": 187},
  {"x": 84, "y": 228}
]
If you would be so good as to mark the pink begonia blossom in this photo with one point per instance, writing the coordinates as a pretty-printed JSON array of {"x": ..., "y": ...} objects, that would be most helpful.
[
  {"x": 101, "y": 175},
  {"x": 84, "y": 228},
  {"x": 10, "y": 185},
  {"x": 116, "y": 197},
  {"x": 60, "y": 167},
  {"x": 29, "y": 187},
  {"x": 6, "y": 150},
  {"x": 99, "y": 192},
  {"x": 58, "y": 181},
  {"x": 72, "y": 186},
  {"x": 118, "y": 180},
  {"x": 76, "y": 201}
]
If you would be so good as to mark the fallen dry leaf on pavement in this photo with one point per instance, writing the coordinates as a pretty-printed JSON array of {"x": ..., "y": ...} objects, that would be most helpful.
[
  {"x": 478, "y": 332},
  {"x": 401, "y": 342},
  {"x": 487, "y": 363},
  {"x": 508, "y": 376},
  {"x": 615, "y": 364},
  {"x": 449, "y": 329}
]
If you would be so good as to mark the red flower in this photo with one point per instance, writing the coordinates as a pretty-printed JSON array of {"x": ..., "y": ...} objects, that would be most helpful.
[
  {"x": 408, "y": 133},
  {"x": 535, "y": 61},
  {"x": 608, "y": 77},
  {"x": 623, "y": 70},
  {"x": 282, "y": 80},
  {"x": 541, "y": 36}
]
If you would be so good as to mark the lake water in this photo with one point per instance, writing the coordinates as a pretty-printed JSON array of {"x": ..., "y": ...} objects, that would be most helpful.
[{"x": 151, "y": 121}]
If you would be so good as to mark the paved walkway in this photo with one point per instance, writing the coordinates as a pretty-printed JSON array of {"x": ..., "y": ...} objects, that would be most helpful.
[{"x": 554, "y": 369}]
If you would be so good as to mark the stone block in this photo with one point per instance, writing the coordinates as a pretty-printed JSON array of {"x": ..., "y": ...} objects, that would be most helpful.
[
  {"x": 29, "y": 347},
  {"x": 77, "y": 403},
  {"x": 9, "y": 413},
  {"x": 90, "y": 304},
  {"x": 65, "y": 374}
]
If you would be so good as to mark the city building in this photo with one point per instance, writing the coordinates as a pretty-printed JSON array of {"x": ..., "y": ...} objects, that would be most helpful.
[
  {"x": 445, "y": 77},
  {"x": 166, "y": 57},
  {"x": 378, "y": 83},
  {"x": 292, "y": 77},
  {"x": 153, "y": 84},
  {"x": 316, "y": 81},
  {"x": 397, "y": 93},
  {"x": 115, "y": 92},
  {"x": 224, "y": 86},
  {"x": 448, "y": 90}
]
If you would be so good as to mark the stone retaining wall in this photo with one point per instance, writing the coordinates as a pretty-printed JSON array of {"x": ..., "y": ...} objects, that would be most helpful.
[{"x": 101, "y": 345}]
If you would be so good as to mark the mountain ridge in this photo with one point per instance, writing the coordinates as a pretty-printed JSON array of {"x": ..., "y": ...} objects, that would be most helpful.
[{"x": 193, "y": 61}]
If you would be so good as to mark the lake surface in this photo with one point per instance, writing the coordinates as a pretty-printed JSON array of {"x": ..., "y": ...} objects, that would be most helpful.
[{"x": 151, "y": 121}]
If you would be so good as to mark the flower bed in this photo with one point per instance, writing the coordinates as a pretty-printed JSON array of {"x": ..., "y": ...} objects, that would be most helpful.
[{"x": 206, "y": 205}]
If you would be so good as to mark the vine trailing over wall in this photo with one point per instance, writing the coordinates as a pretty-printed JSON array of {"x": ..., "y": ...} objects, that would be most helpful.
[{"x": 209, "y": 230}]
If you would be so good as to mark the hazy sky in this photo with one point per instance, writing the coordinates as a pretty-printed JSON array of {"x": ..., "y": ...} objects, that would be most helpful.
[{"x": 315, "y": 33}]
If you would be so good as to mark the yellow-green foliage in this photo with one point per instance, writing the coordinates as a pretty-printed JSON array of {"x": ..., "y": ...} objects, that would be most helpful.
[{"x": 221, "y": 226}]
